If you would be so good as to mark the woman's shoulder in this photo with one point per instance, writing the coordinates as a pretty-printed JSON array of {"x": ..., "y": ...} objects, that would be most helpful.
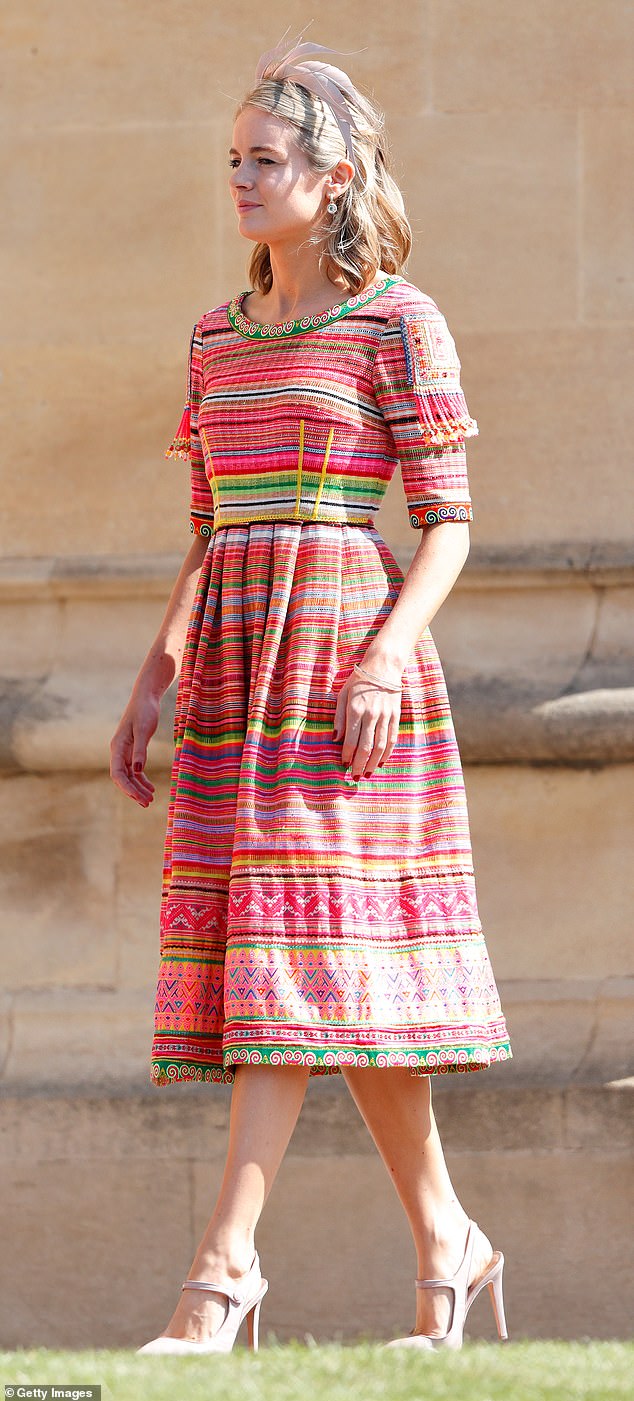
[
  {"x": 404, "y": 298},
  {"x": 215, "y": 317}
]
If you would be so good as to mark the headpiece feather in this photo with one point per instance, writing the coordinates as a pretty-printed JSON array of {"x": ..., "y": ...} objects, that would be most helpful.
[{"x": 322, "y": 79}]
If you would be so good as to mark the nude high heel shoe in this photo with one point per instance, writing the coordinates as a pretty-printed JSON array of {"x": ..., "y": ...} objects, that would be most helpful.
[
  {"x": 244, "y": 1299},
  {"x": 462, "y": 1297}
]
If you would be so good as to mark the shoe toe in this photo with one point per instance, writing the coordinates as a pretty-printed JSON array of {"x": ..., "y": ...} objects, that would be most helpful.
[
  {"x": 417, "y": 1340},
  {"x": 164, "y": 1344}
]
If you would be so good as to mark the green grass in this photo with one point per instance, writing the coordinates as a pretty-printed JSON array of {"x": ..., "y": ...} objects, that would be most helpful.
[{"x": 521, "y": 1371}]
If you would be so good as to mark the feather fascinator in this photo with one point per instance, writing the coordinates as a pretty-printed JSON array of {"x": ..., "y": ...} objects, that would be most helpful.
[{"x": 323, "y": 79}]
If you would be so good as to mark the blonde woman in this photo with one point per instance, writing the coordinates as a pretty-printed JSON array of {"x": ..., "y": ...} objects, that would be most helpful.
[{"x": 319, "y": 910}]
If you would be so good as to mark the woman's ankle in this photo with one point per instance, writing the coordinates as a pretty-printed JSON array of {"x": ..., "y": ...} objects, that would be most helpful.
[
  {"x": 230, "y": 1257},
  {"x": 445, "y": 1231}
]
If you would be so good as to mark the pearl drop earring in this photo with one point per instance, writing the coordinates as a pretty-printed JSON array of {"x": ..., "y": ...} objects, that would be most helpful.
[{"x": 332, "y": 208}]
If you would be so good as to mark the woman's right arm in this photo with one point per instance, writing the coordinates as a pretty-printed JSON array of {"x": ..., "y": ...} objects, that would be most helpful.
[{"x": 128, "y": 747}]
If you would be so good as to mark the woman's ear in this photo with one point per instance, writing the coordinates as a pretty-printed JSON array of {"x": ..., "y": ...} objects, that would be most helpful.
[{"x": 342, "y": 175}]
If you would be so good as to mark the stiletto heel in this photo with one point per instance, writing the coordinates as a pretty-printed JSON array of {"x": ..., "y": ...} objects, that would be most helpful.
[
  {"x": 253, "y": 1325},
  {"x": 244, "y": 1300},
  {"x": 497, "y": 1299},
  {"x": 462, "y": 1297}
]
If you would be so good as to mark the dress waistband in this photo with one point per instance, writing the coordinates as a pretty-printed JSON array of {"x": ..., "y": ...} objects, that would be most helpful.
[{"x": 203, "y": 526}]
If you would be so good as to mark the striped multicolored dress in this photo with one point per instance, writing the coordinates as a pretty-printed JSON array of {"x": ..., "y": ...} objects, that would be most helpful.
[{"x": 308, "y": 918}]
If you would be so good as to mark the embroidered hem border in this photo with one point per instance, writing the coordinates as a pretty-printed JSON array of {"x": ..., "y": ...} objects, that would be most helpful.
[{"x": 170, "y": 1069}]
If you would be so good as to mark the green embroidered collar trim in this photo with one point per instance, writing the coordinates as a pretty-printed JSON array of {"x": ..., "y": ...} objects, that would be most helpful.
[{"x": 257, "y": 330}]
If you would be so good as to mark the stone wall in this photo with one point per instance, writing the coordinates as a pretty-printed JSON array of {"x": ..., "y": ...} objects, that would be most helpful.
[{"x": 511, "y": 132}]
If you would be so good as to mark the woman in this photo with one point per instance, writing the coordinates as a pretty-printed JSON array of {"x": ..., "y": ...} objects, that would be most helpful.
[{"x": 319, "y": 911}]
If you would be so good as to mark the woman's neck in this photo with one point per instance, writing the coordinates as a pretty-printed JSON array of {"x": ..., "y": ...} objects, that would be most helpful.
[{"x": 300, "y": 288}]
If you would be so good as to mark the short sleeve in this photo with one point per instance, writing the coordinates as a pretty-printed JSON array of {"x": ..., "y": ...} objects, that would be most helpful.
[
  {"x": 186, "y": 441},
  {"x": 416, "y": 379}
]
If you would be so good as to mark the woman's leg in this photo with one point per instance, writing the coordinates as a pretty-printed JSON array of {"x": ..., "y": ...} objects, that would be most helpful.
[
  {"x": 396, "y": 1107},
  {"x": 265, "y": 1105}
]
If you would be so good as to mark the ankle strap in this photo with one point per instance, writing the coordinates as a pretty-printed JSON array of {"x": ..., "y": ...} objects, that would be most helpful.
[
  {"x": 463, "y": 1267},
  {"x": 219, "y": 1288}
]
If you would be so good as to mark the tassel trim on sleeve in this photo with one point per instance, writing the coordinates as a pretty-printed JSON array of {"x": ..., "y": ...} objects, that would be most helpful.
[
  {"x": 180, "y": 445},
  {"x": 444, "y": 418},
  {"x": 433, "y": 373}
]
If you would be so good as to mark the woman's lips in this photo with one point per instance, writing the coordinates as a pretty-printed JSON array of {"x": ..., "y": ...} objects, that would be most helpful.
[{"x": 242, "y": 205}]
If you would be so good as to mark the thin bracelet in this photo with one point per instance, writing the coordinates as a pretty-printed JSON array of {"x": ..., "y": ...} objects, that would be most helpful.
[{"x": 386, "y": 685}]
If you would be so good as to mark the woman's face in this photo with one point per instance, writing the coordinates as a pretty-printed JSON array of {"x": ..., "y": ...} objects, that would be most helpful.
[{"x": 278, "y": 198}]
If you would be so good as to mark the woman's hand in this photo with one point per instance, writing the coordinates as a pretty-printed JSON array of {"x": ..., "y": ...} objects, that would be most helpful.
[
  {"x": 128, "y": 747},
  {"x": 367, "y": 719}
]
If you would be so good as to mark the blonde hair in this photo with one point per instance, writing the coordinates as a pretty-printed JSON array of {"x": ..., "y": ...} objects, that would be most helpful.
[{"x": 370, "y": 231}]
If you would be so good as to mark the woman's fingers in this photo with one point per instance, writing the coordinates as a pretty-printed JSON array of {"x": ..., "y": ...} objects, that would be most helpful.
[
  {"x": 135, "y": 786},
  {"x": 392, "y": 738},
  {"x": 128, "y": 751},
  {"x": 371, "y": 728},
  {"x": 379, "y": 749},
  {"x": 354, "y": 720},
  {"x": 362, "y": 755},
  {"x": 142, "y": 793},
  {"x": 339, "y": 722}
]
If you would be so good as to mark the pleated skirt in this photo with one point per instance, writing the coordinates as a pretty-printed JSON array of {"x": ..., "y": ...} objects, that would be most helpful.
[{"x": 309, "y": 918}]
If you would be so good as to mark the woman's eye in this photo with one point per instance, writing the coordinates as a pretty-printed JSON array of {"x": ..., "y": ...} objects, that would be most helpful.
[{"x": 262, "y": 159}]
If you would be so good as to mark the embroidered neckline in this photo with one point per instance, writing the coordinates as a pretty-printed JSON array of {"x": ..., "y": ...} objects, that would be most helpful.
[{"x": 259, "y": 330}]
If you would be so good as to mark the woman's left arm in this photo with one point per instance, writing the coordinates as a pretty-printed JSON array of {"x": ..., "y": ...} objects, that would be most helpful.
[
  {"x": 416, "y": 384},
  {"x": 438, "y": 561},
  {"x": 367, "y": 718}
]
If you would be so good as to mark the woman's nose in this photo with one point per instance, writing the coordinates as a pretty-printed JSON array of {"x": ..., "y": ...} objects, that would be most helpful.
[{"x": 241, "y": 178}]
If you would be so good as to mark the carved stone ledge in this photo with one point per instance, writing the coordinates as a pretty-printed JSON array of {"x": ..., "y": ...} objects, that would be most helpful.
[{"x": 537, "y": 648}]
